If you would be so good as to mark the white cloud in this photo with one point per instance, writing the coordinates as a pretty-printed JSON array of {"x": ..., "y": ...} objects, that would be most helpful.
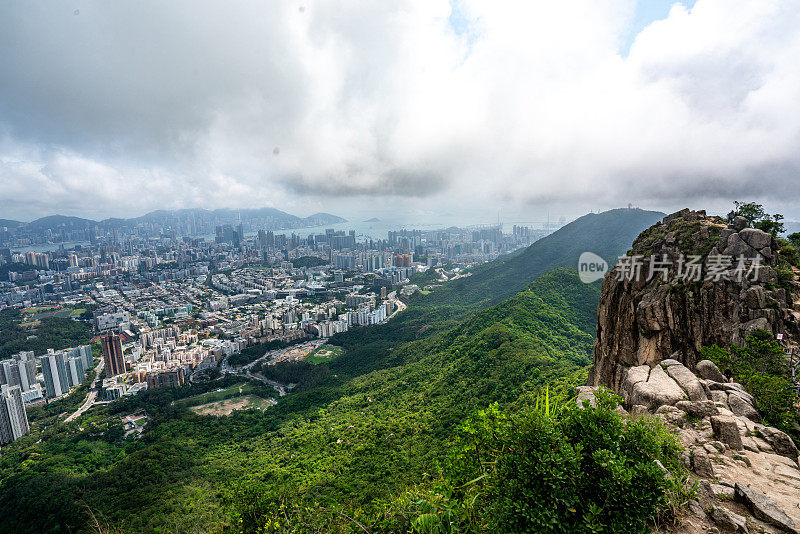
[{"x": 130, "y": 106}]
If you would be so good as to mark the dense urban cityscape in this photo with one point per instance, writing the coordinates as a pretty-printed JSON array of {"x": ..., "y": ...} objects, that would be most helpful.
[{"x": 166, "y": 307}]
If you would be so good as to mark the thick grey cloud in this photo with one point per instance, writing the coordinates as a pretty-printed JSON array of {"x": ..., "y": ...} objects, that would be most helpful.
[
  {"x": 121, "y": 107},
  {"x": 393, "y": 182}
]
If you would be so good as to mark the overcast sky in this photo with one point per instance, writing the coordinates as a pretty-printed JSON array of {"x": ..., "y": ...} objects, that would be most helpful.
[{"x": 410, "y": 109}]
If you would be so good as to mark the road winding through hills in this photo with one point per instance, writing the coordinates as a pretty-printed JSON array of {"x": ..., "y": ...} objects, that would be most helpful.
[
  {"x": 91, "y": 398},
  {"x": 277, "y": 355}
]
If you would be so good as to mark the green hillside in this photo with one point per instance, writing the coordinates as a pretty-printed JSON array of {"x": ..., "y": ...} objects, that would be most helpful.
[
  {"x": 386, "y": 430},
  {"x": 608, "y": 234}
]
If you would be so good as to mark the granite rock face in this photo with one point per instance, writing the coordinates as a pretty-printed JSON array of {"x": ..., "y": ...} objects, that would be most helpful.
[
  {"x": 709, "y": 370},
  {"x": 649, "y": 334},
  {"x": 765, "y": 508},
  {"x": 643, "y": 321}
]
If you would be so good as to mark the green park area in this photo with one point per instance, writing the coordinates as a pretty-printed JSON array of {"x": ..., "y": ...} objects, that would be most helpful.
[
  {"x": 38, "y": 329},
  {"x": 324, "y": 354}
]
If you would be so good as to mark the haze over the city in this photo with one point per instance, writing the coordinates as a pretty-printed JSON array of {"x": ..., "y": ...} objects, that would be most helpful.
[{"x": 415, "y": 110}]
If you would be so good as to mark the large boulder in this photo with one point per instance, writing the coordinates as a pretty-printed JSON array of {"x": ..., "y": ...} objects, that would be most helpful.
[
  {"x": 727, "y": 431},
  {"x": 699, "y": 409},
  {"x": 586, "y": 393},
  {"x": 709, "y": 370},
  {"x": 727, "y": 520},
  {"x": 659, "y": 390},
  {"x": 780, "y": 442},
  {"x": 633, "y": 376},
  {"x": 735, "y": 387},
  {"x": 687, "y": 381},
  {"x": 739, "y": 223},
  {"x": 720, "y": 397},
  {"x": 701, "y": 463},
  {"x": 756, "y": 238},
  {"x": 741, "y": 407},
  {"x": 736, "y": 246},
  {"x": 764, "y": 508}
]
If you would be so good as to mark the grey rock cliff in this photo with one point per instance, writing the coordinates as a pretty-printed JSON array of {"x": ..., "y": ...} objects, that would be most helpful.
[{"x": 642, "y": 322}]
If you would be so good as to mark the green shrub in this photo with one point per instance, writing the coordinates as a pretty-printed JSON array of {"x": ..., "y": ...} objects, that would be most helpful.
[
  {"x": 560, "y": 470},
  {"x": 789, "y": 251}
]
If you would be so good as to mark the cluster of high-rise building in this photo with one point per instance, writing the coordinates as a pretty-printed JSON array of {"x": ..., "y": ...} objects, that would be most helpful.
[
  {"x": 65, "y": 369},
  {"x": 168, "y": 302},
  {"x": 60, "y": 372},
  {"x": 13, "y": 415}
]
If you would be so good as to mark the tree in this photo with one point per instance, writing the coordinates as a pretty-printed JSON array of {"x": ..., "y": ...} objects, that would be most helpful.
[
  {"x": 773, "y": 226},
  {"x": 749, "y": 210},
  {"x": 757, "y": 217},
  {"x": 794, "y": 239}
]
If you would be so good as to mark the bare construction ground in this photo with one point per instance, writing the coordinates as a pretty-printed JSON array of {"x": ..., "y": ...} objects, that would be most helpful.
[{"x": 227, "y": 406}]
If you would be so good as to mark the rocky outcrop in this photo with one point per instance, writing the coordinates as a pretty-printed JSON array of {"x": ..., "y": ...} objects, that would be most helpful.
[
  {"x": 655, "y": 314},
  {"x": 665, "y": 313},
  {"x": 765, "y": 508},
  {"x": 728, "y": 520},
  {"x": 706, "y": 369},
  {"x": 748, "y": 474}
]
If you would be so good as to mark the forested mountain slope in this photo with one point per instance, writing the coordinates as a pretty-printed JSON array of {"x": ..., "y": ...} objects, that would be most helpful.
[
  {"x": 383, "y": 433},
  {"x": 608, "y": 234},
  {"x": 354, "y": 433}
]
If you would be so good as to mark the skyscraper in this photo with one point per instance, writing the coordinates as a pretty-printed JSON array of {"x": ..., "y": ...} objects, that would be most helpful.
[
  {"x": 54, "y": 371},
  {"x": 13, "y": 416},
  {"x": 76, "y": 371},
  {"x": 9, "y": 373},
  {"x": 27, "y": 374},
  {"x": 112, "y": 353},
  {"x": 85, "y": 352},
  {"x": 18, "y": 373}
]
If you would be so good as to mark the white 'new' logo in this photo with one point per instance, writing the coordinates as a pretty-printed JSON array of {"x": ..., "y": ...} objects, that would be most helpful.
[{"x": 591, "y": 267}]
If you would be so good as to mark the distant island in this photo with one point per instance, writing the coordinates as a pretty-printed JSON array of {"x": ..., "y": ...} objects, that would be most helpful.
[{"x": 374, "y": 219}]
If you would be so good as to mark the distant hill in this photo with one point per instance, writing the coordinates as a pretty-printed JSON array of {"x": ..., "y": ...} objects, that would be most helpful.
[
  {"x": 8, "y": 223},
  {"x": 321, "y": 219},
  {"x": 373, "y": 219},
  {"x": 54, "y": 222},
  {"x": 608, "y": 234},
  {"x": 268, "y": 218}
]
